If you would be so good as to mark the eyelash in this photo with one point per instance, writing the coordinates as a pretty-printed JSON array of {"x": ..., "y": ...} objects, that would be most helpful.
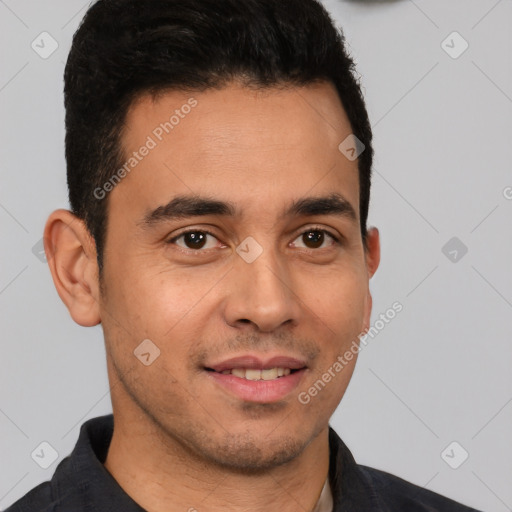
[{"x": 337, "y": 240}]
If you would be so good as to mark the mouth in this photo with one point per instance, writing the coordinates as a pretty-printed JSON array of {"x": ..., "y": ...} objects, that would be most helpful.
[
  {"x": 255, "y": 374},
  {"x": 251, "y": 379}
]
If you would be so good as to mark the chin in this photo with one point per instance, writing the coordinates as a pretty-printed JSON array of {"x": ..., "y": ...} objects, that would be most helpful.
[
  {"x": 252, "y": 456},
  {"x": 251, "y": 452}
]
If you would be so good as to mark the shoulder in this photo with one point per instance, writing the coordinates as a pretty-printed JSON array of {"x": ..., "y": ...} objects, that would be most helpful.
[
  {"x": 46, "y": 498},
  {"x": 39, "y": 499},
  {"x": 77, "y": 475},
  {"x": 398, "y": 494}
]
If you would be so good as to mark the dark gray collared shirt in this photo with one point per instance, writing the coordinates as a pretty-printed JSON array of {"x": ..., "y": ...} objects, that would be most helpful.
[{"x": 82, "y": 484}]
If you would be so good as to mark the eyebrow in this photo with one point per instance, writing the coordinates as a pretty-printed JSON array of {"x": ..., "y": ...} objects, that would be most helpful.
[{"x": 185, "y": 206}]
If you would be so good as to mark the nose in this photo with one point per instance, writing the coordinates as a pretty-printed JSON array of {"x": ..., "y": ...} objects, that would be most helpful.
[{"x": 261, "y": 293}]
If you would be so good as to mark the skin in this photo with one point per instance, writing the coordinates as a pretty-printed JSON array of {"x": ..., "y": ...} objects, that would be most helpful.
[{"x": 181, "y": 441}]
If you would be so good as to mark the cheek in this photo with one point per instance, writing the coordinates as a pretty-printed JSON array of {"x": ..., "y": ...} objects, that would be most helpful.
[
  {"x": 171, "y": 310},
  {"x": 337, "y": 298},
  {"x": 337, "y": 305},
  {"x": 151, "y": 302}
]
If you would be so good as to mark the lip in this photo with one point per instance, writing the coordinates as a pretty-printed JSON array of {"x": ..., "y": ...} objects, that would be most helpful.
[
  {"x": 254, "y": 362},
  {"x": 258, "y": 391}
]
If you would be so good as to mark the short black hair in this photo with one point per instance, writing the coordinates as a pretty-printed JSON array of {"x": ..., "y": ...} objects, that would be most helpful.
[{"x": 126, "y": 48}]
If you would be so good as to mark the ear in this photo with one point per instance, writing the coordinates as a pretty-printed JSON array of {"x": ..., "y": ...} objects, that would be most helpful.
[
  {"x": 372, "y": 260},
  {"x": 372, "y": 252},
  {"x": 71, "y": 255}
]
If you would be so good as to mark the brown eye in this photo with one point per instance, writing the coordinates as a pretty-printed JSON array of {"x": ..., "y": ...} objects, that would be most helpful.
[
  {"x": 315, "y": 239},
  {"x": 195, "y": 240}
]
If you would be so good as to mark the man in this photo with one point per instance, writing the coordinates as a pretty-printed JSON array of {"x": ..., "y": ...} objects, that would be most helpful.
[{"x": 219, "y": 159}]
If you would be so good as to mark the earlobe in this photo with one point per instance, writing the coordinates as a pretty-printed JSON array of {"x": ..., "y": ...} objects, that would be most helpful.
[{"x": 71, "y": 255}]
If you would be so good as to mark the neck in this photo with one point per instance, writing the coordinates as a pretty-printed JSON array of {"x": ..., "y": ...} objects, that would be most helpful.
[{"x": 161, "y": 475}]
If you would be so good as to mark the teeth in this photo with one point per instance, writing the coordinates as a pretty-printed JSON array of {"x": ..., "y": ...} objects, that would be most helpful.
[
  {"x": 251, "y": 374},
  {"x": 269, "y": 374},
  {"x": 254, "y": 374}
]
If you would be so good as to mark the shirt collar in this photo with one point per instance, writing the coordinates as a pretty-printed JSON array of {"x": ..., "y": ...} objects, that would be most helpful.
[
  {"x": 83, "y": 471},
  {"x": 351, "y": 488}
]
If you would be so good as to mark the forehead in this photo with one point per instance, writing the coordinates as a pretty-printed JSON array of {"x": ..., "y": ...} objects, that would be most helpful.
[{"x": 236, "y": 144}]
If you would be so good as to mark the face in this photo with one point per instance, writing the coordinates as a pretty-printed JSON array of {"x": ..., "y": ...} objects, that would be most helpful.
[{"x": 234, "y": 245}]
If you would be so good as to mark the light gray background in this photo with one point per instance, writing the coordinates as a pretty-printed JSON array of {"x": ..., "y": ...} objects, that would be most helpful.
[{"x": 439, "y": 372}]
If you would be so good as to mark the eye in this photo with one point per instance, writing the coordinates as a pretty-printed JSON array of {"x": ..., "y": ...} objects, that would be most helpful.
[
  {"x": 195, "y": 239},
  {"x": 316, "y": 238}
]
